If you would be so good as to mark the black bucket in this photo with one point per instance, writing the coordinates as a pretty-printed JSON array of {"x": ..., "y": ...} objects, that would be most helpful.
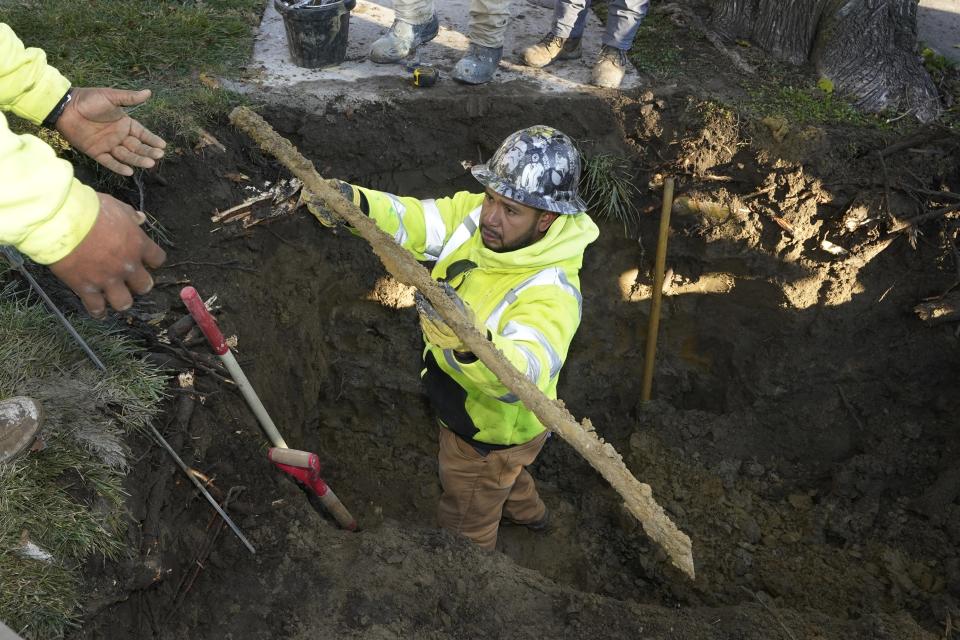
[{"x": 316, "y": 33}]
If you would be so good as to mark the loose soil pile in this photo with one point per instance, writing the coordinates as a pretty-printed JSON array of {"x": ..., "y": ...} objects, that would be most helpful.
[{"x": 803, "y": 413}]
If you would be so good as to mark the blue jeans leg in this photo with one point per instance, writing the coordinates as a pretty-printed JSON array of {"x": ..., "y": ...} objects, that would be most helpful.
[
  {"x": 570, "y": 17},
  {"x": 623, "y": 20}
]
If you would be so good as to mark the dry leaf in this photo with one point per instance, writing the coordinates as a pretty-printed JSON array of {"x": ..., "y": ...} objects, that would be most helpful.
[
  {"x": 786, "y": 226},
  {"x": 236, "y": 177},
  {"x": 835, "y": 249},
  {"x": 206, "y": 139},
  {"x": 209, "y": 81}
]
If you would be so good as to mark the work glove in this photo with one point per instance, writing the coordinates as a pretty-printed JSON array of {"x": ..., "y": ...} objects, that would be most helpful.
[
  {"x": 435, "y": 330},
  {"x": 319, "y": 210}
]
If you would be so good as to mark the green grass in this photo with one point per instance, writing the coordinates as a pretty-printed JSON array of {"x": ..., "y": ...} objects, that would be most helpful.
[
  {"x": 946, "y": 76},
  {"x": 808, "y": 105},
  {"x": 657, "y": 48},
  {"x": 162, "y": 45},
  {"x": 67, "y": 498},
  {"x": 607, "y": 186}
]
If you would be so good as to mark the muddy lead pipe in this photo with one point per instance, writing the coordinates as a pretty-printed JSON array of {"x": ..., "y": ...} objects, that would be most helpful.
[
  {"x": 660, "y": 264},
  {"x": 637, "y": 496}
]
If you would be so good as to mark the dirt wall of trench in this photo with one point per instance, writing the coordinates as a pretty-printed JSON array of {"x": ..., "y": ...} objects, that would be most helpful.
[{"x": 800, "y": 410}]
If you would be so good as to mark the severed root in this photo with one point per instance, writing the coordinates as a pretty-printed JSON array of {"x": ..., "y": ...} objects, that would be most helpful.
[{"x": 946, "y": 309}]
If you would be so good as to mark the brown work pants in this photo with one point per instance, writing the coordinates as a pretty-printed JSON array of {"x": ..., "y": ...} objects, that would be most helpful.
[{"x": 478, "y": 490}]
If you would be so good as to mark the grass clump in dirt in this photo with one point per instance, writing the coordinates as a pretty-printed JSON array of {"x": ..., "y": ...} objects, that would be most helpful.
[
  {"x": 782, "y": 91},
  {"x": 169, "y": 46},
  {"x": 946, "y": 76},
  {"x": 64, "y": 503},
  {"x": 608, "y": 188},
  {"x": 807, "y": 105}
]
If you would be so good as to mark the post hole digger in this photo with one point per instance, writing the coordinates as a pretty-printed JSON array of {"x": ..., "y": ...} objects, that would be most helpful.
[{"x": 302, "y": 466}]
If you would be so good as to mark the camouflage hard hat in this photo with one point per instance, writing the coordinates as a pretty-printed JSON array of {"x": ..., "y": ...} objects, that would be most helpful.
[{"x": 538, "y": 167}]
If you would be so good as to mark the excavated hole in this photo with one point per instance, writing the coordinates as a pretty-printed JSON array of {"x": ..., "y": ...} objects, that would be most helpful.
[
  {"x": 356, "y": 360},
  {"x": 786, "y": 486}
]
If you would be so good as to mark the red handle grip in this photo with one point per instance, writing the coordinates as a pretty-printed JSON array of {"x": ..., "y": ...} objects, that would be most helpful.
[{"x": 204, "y": 320}]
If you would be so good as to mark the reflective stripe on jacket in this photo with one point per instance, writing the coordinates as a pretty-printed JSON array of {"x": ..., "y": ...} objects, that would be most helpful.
[
  {"x": 529, "y": 300},
  {"x": 44, "y": 211}
]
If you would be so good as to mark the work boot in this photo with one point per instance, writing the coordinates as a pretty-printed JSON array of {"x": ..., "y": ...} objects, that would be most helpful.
[
  {"x": 610, "y": 67},
  {"x": 551, "y": 48},
  {"x": 402, "y": 39},
  {"x": 537, "y": 526},
  {"x": 478, "y": 64},
  {"x": 20, "y": 419}
]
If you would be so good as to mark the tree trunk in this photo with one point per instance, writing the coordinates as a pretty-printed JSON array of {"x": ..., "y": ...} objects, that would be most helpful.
[{"x": 867, "y": 48}]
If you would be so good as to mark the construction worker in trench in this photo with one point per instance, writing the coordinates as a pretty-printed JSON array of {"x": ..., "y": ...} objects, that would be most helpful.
[
  {"x": 510, "y": 257},
  {"x": 91, "y": 241}
]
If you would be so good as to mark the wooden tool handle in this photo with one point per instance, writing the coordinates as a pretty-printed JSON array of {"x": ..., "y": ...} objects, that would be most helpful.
[{"x": 292, "y": 457}]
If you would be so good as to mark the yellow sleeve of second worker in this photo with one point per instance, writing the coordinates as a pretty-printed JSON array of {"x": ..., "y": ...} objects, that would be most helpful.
[
  {"x": 44, "y": 211},
  {"x": 29, "y": 87}
]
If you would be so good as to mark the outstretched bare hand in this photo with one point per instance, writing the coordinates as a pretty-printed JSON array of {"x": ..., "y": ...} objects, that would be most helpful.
[
  {"x": 95, "y": 123},
  {"x": 108, "y": 265}
]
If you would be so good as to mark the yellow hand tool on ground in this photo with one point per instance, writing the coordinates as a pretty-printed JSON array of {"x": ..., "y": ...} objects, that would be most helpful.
[{"x": 425, "y": 76}]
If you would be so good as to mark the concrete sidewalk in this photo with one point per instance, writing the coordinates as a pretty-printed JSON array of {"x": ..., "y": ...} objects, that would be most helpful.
[
  {"x": 938, "y": 25},
  {"x": 358, "y": 79}
]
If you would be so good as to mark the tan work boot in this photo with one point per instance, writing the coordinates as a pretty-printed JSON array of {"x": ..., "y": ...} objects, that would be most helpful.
[
  {"x": 551, "y": 48},
  {"x": 20, "y": 419},
  {"x": 610, "y": 67}
]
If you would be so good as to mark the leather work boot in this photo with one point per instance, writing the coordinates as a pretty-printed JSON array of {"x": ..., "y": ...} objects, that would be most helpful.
[
  {"x": 551, "y": 48},
  {"x": 537, "y": 526},
  {"x": 20, "y": 419},
  {"x": 403, "y": 39},
  {"x": 610, "y": 67},
  {"x": 478, "y": 64}
]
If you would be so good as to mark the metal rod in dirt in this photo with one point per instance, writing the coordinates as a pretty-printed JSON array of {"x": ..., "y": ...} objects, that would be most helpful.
[
  {"x": 660, "y": 264},
  {"x": 217, "y": 342},
  {"x": 203, "y": 489},
  {"x": 582, "y": 436},
  {"x": 16, "y": 260}
]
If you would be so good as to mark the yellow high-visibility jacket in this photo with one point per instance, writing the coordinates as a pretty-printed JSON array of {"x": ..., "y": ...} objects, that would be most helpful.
[
  {"x": 44, "y": 211},
  {"x": 528, "y": 299}
]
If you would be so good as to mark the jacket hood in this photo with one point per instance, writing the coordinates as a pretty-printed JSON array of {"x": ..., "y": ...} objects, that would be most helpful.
[{"x": 563, "y": 245}]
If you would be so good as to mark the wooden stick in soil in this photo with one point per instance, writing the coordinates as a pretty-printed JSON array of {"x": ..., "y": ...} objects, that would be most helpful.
[
  {"x": 637, "y": 496},
  {"x": 660, "y": 263}
]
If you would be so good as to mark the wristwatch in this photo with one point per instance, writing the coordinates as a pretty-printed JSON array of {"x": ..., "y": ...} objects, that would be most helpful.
[{"x": 50, "y": 121}]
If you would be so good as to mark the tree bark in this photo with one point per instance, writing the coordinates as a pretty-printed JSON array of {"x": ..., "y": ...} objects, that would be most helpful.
[{"x": 867, "y": 48}]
